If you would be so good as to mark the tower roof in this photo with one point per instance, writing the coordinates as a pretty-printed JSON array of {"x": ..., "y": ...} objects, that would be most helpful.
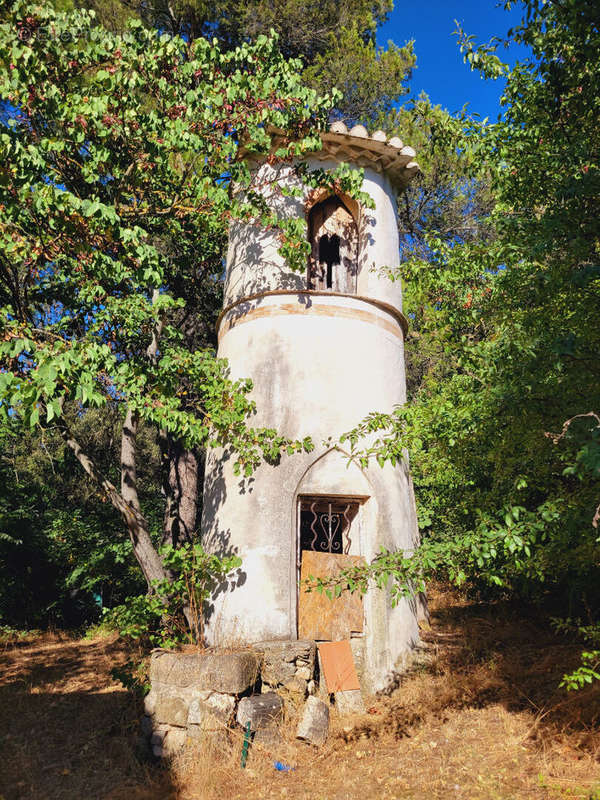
[{"x": 389, "y": 155}]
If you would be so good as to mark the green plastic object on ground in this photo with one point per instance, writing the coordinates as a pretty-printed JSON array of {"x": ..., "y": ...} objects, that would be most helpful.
[{"x": 246, "y": 744}]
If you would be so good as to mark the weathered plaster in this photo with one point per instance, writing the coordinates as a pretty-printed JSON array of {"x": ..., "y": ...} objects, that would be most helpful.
[{"x": 320, "y": 362}]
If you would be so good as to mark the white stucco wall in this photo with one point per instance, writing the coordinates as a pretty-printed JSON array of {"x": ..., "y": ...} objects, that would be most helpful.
[
  {"x": 255, "y": 265},
  {"x": 320, "y": 363}
]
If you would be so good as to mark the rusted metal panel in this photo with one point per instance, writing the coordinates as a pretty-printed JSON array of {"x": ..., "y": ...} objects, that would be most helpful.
[
  {"x": 320, "y": 618},
  {"x": 338, "y": 666}
]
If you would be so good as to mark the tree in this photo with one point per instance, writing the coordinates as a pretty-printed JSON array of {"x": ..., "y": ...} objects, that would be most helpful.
[
  {"x": 372, "y": 79},
  {"x": 121, "y": 172},
  {"x": 450, "y": 200},
  {"x": 335, "y": 40},
  {"x": 337, "y": 46},
  {"x": 64, "y": 554},
  {"x": 503, "y": 431}
]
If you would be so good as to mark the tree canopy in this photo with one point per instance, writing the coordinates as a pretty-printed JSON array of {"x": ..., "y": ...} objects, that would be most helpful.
[
  {"x": 121, "y": 174},
  {"x": 502, "y": 291},
  {"x": 335, "y": 40}
]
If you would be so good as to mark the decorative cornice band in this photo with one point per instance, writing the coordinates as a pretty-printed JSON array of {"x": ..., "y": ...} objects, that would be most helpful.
[{"x": 339, "y": 311}]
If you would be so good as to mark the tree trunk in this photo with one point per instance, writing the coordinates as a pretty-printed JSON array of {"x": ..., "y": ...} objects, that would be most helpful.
[
  {"x": 145, "y": 552},
  {"x": 181, "y": 476},
  {"x": 127, "y": 502}
]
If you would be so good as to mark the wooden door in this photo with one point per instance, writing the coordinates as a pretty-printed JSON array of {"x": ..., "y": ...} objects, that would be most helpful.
[
  {"x": 320, "y": 618},
  {"x": 326, "y": 529}
]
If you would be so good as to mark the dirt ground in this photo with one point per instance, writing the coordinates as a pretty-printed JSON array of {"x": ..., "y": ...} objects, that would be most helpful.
[{"x": 484, "y": 720}]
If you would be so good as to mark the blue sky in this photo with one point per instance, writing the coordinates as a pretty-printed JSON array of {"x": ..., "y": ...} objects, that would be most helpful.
[{"x": 441, "y": 72}]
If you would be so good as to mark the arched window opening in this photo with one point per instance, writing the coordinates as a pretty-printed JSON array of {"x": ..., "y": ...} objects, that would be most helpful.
[{"x": 334, "y": 247}]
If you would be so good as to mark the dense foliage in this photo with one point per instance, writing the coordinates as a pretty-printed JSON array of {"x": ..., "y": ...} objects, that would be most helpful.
[
  {"x": 503, "y": 429},
  {"x": 336, "y": 41},
  {"x": 175, "y": 612},
  {"x": 65, "y": 553},
  {"x": 121, "y": 173},
  {"x": 123, "y": 152}
]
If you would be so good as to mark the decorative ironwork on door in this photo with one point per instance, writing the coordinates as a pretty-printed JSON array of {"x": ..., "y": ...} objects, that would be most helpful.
[{"x": 325, "y": 524}]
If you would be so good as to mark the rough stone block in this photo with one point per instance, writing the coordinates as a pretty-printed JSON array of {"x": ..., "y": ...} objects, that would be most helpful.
[
  {"x": 174, "y": 741},
  {"x": 171, "y": 711},
  {"x": 198, "y": 713},
  {"x": 297, "y": 686},
  {"x": 228, "y": 673},
  {"x": 350, "y": 702},
  {"x": 158, "y": 734},
  {"x": 278, "y": 673},
  {"x": 212, "y": 711},
  {"x": 280, "y": 659},
  {"x": 197, "y": 734},
  {"x": 314, "y": 725},
  {"x": 304, "y": 673},
  {"x": 185, "y": 693},
  {"x": 167, "y": 742},
  {"x": 270, "y": 736},
  {"x": 150, "y": 702},
  {"x": 221, "y": 705},
  {"x": 260, "y": 710}
]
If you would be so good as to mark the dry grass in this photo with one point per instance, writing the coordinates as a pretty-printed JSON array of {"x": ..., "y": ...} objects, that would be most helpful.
[
  {"x": 485, "y": 720},
  {"x": 67, "y": 730}
]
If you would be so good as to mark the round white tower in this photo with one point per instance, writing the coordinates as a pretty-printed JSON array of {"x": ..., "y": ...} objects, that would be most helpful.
[{"x": 324, "y": 349}]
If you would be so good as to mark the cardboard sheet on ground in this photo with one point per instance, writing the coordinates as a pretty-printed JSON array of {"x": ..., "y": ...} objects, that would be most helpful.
[
  {"x": 338, "y": 666},
  {"x": 320, "y": 618}
]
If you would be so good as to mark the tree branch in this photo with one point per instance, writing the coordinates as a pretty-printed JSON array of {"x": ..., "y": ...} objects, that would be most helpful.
[{"x": 137, "y": 525}]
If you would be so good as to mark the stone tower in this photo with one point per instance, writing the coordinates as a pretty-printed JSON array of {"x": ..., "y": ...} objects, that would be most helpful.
[{"x": 324, "y": 349}]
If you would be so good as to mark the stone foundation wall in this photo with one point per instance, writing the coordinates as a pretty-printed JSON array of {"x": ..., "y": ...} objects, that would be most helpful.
[{"x": 202, "y": 694}]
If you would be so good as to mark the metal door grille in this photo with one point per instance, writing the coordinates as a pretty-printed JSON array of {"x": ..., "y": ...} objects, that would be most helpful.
[{"x": 326, "y": 524}]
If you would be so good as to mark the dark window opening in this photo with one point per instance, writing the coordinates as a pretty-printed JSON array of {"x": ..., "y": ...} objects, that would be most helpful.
[
  {"x": 329, "y": 254},
  {"x": 333, "y": 264}
]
